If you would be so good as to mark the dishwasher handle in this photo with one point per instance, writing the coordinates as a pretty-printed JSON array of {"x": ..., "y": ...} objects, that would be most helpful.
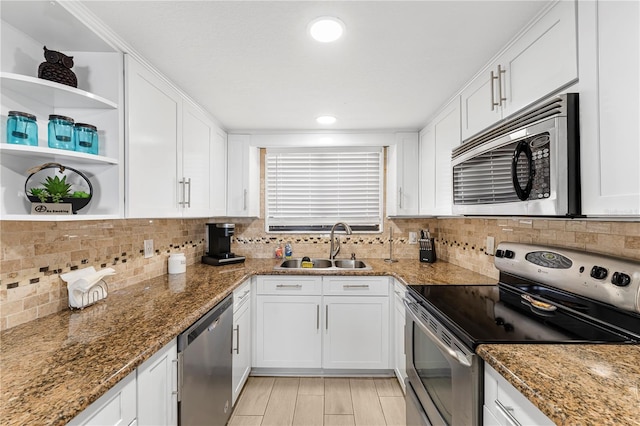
[{"x": 206, "y": 323}]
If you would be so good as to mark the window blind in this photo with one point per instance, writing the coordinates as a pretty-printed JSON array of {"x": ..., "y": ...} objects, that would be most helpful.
[{"x": 310, "y": 190}]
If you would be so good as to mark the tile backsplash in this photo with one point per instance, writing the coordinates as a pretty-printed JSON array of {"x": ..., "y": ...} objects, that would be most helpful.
[{"x": 34, "y": 254}]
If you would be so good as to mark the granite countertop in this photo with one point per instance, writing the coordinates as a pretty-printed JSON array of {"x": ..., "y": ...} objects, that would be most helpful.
[
  {"x": 54, "y": 367},
  {"x": 574, "y": 384}
]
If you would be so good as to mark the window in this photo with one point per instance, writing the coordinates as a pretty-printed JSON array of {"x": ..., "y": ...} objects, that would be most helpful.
[{"x": 308, "y": 190}]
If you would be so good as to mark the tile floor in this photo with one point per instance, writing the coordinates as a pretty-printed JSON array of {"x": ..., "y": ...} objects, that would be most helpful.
[{"x": 311, "y": 401}]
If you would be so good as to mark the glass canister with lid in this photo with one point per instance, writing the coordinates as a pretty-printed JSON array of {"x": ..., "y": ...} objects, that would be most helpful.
[
  {"x": 22, "y": 128},
  {"x": 61, "y": 133},
  {"x": 86, "y": 137}
]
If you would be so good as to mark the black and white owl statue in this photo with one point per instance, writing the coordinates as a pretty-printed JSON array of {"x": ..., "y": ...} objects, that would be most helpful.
[{"x": 57, "y": 67}]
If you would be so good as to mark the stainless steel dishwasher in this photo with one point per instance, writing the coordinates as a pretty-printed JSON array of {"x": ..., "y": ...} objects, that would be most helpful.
[{"x": 204, "y": 368}]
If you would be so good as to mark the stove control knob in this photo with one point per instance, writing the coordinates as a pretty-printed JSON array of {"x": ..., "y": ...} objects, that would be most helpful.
[
  {"x": 599, "y": 273},
  {"x": 509, "y": 254},
  {"x": 508, "y": 327},
  {"x": 620, "y": 279},
  {"x": 499, "y": 253},
  {"x": 499, "y": 321}
]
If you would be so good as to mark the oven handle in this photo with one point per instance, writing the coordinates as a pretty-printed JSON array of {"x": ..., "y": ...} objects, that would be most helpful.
[{"x": 457, "y": 355}]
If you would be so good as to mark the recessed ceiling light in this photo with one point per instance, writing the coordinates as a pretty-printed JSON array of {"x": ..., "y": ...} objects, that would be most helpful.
[
  {"x": 326, "y": 29},
  {"x": 326, "y": 119}
]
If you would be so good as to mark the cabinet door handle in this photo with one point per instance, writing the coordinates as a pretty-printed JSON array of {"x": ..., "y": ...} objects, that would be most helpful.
[
  {"x": 288, "y": 285},
  {"x": 244, "y": 295},
  {"x": 237, "y": 349},
  {"x": 494, "y": 104},
  {"x": 326, "y": 317},
  {"x": 182, "y": 202},
  {"x": 508, "y": 413},
  {"x": 400, "y": 197},
  {"x": 317, "y": 317},
  {"x": 244, "y": 199},
  {"x": 188, "y": 203},
  {"x": 500, "y": 73},
  {"x": 355, "y": 286}
]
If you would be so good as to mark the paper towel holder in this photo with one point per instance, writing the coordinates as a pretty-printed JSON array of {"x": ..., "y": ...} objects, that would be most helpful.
[{"x": 95, "y": 293}]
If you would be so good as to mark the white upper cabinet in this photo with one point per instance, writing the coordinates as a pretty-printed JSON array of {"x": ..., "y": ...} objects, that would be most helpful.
[
  {"x": 437, "y": 140},
  {"x": 402, "y": 172},
  {"x": 541, "y": 61},
  {"x": 243, "y": 177},
  {"x": 153, "y": 144},
  {"x": 609, "y": 107},
  {"x": 26, "y": 27},
  {"x": 172, "y": 148}
]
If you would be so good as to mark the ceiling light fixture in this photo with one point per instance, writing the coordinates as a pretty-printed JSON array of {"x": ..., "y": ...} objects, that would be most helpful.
[
  {"x": 326, "y": 119},
  {"x": 326, "y": 29}
]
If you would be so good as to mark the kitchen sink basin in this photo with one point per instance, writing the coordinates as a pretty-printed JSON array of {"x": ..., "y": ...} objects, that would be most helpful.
[
  {"x": 297, "y": 263},
  {"x": 322, "y": 264},
  {"x": 349, "y": 264}
]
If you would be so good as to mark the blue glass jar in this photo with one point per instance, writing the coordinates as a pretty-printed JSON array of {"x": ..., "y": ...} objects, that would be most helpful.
[
  {"x": 86, "y": 136},
  {"x": 22, "y": 128},
  {"x": 61, "y": 132}
]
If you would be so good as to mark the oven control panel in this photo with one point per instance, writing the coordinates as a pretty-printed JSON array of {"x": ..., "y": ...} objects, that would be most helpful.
[{"x": 605, "y": 278}]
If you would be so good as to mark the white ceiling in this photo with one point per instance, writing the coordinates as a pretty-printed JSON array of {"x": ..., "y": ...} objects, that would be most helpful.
[{"x": 253, "y": 66}]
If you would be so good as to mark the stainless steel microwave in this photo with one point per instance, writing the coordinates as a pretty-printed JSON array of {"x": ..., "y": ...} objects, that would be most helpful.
[{"x": 528, "y": 165}]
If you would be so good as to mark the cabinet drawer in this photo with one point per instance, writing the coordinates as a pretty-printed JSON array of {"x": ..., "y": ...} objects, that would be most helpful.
[
  {"x": 290, "y": 285},
  {"x": 357, "y": 286},
  {"x": 241, "y": 295}
]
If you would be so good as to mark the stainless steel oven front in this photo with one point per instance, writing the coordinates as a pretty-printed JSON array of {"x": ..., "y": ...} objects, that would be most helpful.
[{"x": 444, "y": 383}]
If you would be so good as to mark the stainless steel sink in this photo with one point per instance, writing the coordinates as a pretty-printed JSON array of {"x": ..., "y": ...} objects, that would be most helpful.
[
  {"x": 322, "y": 264},
  {"x": 297, "y": 263},
  {"x": 349, "y": 264}
]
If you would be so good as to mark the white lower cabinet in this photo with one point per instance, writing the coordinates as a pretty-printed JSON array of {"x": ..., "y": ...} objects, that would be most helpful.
[
  {"x": 116, "y": 407},
  {"x": 157, "y": 386},
  {"x": 399, "y": 320},
  {"x": 356, "y": 332},
  {"x": 241, "y": 347},
  {"x": 504, "y": 405},
  {"x": 322, "y": 322},
  {"x": 288, "y": 322}
]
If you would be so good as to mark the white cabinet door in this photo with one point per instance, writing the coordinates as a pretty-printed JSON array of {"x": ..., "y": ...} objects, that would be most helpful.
[
  {"x": 117, "y": 407},
  {"x": 437, "y": 141},
  {"x": 609, "y": 107},
  {"x": 157, "y": 385},
  {"x": 478, "y": 103},
  {"x": 402, "y": 170},
  {"x": 218, "y": 173},
  {"x": 196, "y": 163},
  {"x": 241, "y": 348},
  {"x": 243, "y": 177},
  {"x": 356, "y": 332},
  {"x": 288, "y": 331},
  {"x": 543, "y": 60},
  {"x": 153, "y": 149},
  {"x": 400, "y": 359}
]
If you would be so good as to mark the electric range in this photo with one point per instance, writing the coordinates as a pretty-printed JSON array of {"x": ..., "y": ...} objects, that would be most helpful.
[{"x": 544, "y": 295}]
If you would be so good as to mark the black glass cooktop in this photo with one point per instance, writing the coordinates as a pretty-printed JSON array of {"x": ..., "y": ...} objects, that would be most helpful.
[{"x": 498, "y": 314}]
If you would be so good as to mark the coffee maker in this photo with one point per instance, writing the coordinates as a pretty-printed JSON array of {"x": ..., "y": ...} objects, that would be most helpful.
[{"x": 219, "y": 253}]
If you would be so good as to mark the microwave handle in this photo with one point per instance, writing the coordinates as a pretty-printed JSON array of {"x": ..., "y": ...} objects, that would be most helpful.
[
  {"x": 522, "y": 193},
  {"x": 457, "y": 355}
]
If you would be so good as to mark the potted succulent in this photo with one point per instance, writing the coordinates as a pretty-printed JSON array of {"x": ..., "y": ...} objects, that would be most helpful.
[{"x": 58, "y": 190}]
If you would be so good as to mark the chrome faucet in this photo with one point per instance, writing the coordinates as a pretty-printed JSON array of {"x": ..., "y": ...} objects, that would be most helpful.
[{"x": 335, "y": 241}]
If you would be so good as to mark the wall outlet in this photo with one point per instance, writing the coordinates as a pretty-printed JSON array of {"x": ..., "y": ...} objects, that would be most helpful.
[
  {"x": 413, "y": 238},
  {"x": 490, "y": 246},
  {"x": 148, "y": 249}
]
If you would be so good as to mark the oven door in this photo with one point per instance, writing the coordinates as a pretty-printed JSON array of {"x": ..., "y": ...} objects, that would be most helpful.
[{"x": 444, "y": 376}]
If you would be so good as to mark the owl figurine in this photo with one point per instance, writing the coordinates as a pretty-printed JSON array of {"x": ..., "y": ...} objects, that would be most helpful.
[{"x": 57, "y": 67}]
